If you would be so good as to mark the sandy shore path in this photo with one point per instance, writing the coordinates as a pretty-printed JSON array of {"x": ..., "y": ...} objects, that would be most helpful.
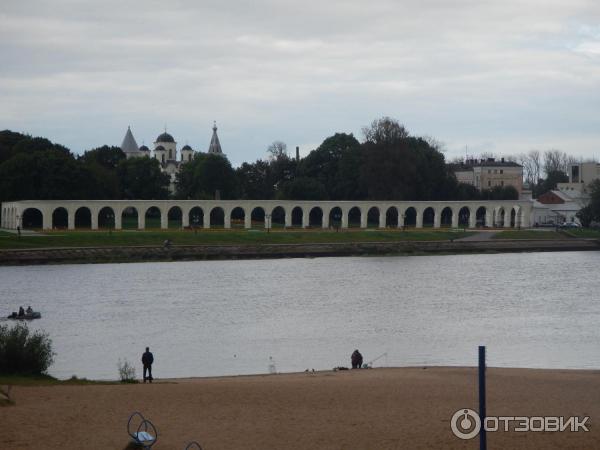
[{"x": 377, "y": 409}]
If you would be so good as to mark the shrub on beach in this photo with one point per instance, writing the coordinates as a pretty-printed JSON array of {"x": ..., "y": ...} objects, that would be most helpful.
[
  {"x": 23, "y": 352},
  {"x": 126, "y": 372}
]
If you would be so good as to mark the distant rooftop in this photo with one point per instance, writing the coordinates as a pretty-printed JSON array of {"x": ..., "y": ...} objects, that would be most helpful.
[{"x": 486, "y": 162}]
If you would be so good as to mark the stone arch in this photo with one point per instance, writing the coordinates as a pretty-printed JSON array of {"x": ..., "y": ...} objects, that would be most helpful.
[
  {"x": 499, "y": 217},
  {"x": 480, "y": 217},
  {"x": 392, "y": 217},
  {"x": 258, "y": 217},
  {"x": 60, "y": 218},
  {"x": 237, "y": 217},
  {"x": 429, "y": 217},
  {"x": 196, "y": 217},
  {"x": 106, "y": 218},
  {"x": 83, "y": 217},
  {"x": 152, "y": 217},
  {"x": 464, "y": 217},
  {"x": 354, "y": 217},
  {"x": 175, "y": 217},
  {"x": 410, "y": 217},
  {"x": 315, "y": 217},
  {"x": 217, "y": 217},
  {"x": 373, "y": 217},
  {"x": 32, "y": 218},
  {"x": 130, "y": 218},
  {"x": 297, "y": 216},
  {"x": 446, "y": 217},
  {"x": 335, "y": 217},
  {"x": 278, "y": 217},
  {"x": 514, "y": 217}
]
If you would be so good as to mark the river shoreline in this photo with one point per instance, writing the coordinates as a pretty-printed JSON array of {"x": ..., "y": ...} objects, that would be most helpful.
[
  {"x": 123, "y": 254},
  {"x": 383, "y": 409}
]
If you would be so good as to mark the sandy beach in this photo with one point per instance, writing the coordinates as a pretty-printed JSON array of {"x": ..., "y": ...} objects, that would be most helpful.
[{"x": 377, "y": 409}]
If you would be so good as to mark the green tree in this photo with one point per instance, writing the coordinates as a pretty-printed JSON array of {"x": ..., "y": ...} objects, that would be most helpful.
[
  {"x": 102, "y": 163},
  {"x": 302, "y": 188},
  {"x": 45, "y": 175},
  {"x": 405, "y": 169},
  {"x": 255, "y": 180},
  {"x": 384, "y": 130},
  {"x": 591, "y": 213},
  {"x": 335, "y": 164},
  {"x": 204, "y": 176},
  {"x": 105, "y": 156},
  {"x": 141, "y": 178},
  {"x": 552, "y": 179},
  {"x": 8, "y": 140},
  {"x": 23, "y": 352}
]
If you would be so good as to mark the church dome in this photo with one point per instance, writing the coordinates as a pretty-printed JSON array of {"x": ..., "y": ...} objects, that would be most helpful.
[
  {"x": 165, "y": 137},
  {"x": 143, "y": 148},
  {"x": 186, "y": 147}
]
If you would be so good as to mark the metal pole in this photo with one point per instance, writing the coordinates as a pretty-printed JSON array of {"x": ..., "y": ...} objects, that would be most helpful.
[{"x": 482, "y": 413}]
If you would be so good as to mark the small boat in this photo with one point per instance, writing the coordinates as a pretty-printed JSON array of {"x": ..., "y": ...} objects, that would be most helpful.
[{"x": 27, "y": 316}]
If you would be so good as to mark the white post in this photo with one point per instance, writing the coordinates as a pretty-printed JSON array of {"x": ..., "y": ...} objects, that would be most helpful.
[
  {"x": 472, "y": 219},
  {"x": 437, "y": 218},
  {"x": 71, "y": 219},
  {"x": 344, "y": 219},
  {"x": 305, "y": 218},
  {"x": 455, "y": 218},
  {"x": 364, "y": 215}
]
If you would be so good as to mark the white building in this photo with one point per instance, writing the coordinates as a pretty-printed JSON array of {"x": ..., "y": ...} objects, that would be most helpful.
[
  {"x": 556, "y": 207},
  {"x": 165, "y": 150},
  {"x": 489, "y": 173},
  {"x": 580, "y": 176}
]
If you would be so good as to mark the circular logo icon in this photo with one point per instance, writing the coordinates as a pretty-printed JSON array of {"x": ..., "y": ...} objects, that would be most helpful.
[{"x": 465, "y": 424}]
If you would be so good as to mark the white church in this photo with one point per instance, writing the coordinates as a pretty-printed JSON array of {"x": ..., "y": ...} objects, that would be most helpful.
[{"x": 165, "y": 150}]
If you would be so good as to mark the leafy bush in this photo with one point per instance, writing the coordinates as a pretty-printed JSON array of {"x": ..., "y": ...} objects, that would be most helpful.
[
  {"x": 23, "y": 352},
  {"x": 126, "y": 372}
]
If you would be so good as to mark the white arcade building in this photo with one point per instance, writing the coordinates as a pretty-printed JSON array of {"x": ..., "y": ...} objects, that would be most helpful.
[{"x": 165, "y": 150}]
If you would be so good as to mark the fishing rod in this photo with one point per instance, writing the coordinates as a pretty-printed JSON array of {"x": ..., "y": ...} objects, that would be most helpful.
[{"x": 370, "y": 363}]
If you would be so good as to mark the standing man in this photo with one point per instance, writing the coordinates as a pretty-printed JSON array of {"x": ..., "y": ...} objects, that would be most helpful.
[
  {"x": 147, "y": 360},
  {"x": 356, "y": 360}
]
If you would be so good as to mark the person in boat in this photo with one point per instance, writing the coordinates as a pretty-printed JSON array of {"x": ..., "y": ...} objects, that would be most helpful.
[
  {"x": 356, "y": 359},
  {"x": 21, "y": 311},
  {"x": 29, "y": 310}
]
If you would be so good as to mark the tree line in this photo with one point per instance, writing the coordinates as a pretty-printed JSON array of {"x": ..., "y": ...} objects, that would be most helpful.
[{"x": 389, "y": 164}]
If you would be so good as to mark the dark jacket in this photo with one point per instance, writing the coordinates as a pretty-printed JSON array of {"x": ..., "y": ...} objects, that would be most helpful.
[
  {"x": 147, "y": 358},
  {"x": 356, "y": 358}
]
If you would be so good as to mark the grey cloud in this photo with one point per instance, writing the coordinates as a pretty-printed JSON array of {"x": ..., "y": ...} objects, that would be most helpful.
[{"x": 511, "y": 73}]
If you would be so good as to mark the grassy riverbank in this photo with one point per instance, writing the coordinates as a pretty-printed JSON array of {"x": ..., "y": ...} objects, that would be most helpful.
[
  {"x": 218, "y": 237},
  {"x": 531, "y": 234}
]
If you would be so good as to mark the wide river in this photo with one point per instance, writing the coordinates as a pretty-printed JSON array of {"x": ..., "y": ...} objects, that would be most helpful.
[{"x": 229, "y": 317}]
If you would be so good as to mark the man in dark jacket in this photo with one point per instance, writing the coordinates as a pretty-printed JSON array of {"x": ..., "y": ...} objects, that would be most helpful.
[
  {"x": 147, "y": 360},
  {"x": 356, "y": 360}
]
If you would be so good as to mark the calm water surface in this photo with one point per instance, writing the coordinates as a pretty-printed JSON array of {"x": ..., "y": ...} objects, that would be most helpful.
[{"x": 229, "y": 317}]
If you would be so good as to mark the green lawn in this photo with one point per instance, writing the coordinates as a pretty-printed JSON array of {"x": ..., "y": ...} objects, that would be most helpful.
[
  {"x": 584, "y": 232},
  {"x": 4, "y": 233},
  {"x": 530, "y": 234},
  {"x": 238, "y": 237}
]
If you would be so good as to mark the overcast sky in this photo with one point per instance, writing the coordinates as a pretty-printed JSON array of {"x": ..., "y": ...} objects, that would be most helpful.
[{"x": 503, "y": 76}]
